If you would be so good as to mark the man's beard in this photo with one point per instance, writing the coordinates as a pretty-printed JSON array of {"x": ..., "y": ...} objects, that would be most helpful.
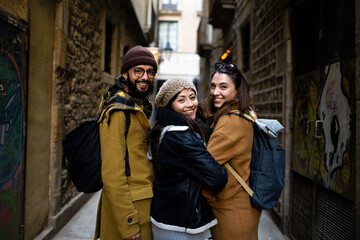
[{"x": 135, "y": 92}]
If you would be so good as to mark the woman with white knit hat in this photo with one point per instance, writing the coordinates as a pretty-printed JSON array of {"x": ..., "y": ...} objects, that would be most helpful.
[{"x": 182, "y": 165}]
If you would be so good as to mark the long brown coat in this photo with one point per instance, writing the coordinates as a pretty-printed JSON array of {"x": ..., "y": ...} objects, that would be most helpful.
[
  {"x": 124, "y": 206},
  {"x": 231, "y": 142}
]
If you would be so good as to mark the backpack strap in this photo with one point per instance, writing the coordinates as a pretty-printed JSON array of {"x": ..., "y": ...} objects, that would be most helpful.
[
  {"x": 227, "y": 165},
  {"x": 240, "y": 180},
  {"x": 127, "y": 126},
  {"x": 247, "y": 116}
]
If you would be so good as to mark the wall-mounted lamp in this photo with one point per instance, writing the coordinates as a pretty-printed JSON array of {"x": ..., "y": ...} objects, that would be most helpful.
[
  {"x": 167, "y": 51},
  {"x": 226, "y": 54}
]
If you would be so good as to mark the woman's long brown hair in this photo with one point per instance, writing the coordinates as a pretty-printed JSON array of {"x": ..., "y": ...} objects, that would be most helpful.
[{"x": 242, "y": 100}]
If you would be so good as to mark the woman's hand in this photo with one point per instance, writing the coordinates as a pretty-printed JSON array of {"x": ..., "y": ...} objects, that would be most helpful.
[{"x": 135, "y": 237}]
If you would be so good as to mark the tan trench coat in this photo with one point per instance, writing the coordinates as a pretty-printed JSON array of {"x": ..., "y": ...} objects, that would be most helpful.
[
  {"x": 124, "y": 206},
  {"x": 231, "y": 142}
]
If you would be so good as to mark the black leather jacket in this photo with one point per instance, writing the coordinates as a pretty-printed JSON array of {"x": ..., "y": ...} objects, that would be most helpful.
[{"x": 178, "y": 203}]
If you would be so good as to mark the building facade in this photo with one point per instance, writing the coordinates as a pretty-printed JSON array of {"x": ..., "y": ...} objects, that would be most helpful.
[
  {"x": 178, "y": 24},
  {"x": 57, "y": 60},
  {"x": 302, "y": 61}
]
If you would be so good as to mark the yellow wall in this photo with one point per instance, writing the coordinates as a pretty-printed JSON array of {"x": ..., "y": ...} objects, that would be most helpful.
[
  {"x": 17, "y": 8},
  {"x": 41, "y": 45}
]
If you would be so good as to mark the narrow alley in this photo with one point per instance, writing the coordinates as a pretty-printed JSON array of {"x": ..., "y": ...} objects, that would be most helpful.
[{"x": 300, "y": 58}]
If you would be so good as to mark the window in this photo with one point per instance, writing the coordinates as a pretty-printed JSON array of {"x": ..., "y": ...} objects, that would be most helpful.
[
  {"x": 169, "y": 4},
  {"x": 168, "y": 33}
]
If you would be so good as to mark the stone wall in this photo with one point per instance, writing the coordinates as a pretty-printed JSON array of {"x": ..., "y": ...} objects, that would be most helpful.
[{"x": 79, "y": 80}]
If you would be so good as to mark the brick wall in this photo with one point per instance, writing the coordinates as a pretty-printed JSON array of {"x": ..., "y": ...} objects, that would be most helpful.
[{"x": 268, "y": 38}]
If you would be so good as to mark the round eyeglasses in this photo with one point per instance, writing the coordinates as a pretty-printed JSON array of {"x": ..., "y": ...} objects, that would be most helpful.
[
  {"x": 139, "y": 72},
  {"x": 225, "y": 66}
]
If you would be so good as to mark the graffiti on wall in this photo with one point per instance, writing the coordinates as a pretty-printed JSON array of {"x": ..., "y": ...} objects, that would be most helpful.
[
  {"x": 322, "y": 127},
  {"x": 9, "y": 223},
  {"x": 307, "y": 148},
  {"x": 11, "y": 143},
  {"x": 12, "y": 125},
  {"x": 334, "y": 112},
  {"x": 11, "y": 120}
]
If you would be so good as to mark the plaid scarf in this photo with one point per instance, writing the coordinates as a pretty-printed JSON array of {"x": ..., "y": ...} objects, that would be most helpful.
[{"x": 117, "y": 99}]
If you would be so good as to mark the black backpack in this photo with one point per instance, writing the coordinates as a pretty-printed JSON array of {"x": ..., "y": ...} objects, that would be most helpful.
[
  {"x": 82, "y": 149},
  {"x": 267, "y": 167}
]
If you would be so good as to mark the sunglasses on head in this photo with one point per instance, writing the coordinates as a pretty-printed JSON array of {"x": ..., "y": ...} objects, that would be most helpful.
[{"x": 225, "y": 66}]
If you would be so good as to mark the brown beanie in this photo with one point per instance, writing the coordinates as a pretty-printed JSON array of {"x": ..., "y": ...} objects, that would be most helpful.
[
  {"x": 170, "y": 88},
  {"x": 138, "y": 56}
]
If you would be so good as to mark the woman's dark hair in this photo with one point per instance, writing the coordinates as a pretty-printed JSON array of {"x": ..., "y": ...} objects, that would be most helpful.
[
  {"x": 198, "y": 125},
  {"x": 242, "y": 100},
  {"x": 154, "y": 147}
]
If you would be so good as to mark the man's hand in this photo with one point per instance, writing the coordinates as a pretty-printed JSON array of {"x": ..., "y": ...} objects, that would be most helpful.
[{"x": 135, "y": 237}]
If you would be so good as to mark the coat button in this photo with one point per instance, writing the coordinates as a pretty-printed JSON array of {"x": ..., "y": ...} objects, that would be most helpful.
[{"x": 129, "y": 220}]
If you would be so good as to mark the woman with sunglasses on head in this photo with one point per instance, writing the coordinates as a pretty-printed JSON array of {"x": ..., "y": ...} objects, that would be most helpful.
[
  {"x": 182, "y": 165},
  {"x": 231, "y": 142}
]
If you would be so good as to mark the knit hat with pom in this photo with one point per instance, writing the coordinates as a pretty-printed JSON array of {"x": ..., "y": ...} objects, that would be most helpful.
[
  {"x": 170, "y": 88},
  {"x": 138, "y": 56}
]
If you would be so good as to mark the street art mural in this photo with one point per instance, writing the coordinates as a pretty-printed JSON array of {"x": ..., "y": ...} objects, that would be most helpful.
[
  {"x": 334, "y": 111},
  {"x": 322, "y": 126},
  {"x": 11, "y": 143},
  {"x": 9, "y": 223},
  {"x": 307, "y": 147},
  {"x": 12, "y": 125},
  {"x": 11, "y": 120}
]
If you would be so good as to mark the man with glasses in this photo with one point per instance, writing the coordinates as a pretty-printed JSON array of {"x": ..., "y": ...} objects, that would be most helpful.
[{"x": 127, "y": 174}]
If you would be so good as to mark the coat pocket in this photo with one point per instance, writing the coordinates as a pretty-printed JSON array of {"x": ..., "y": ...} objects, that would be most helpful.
[{"x": 143, "y": 192}]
